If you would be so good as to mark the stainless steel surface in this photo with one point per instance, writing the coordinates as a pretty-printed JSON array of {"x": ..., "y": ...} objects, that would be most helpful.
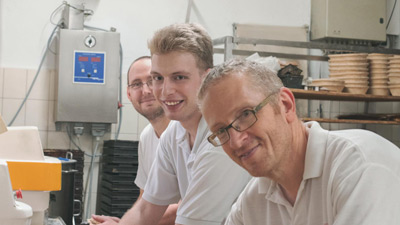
[
  {"x": 276, "y": 54},
  {"x": 231, "y": 41},
  {"x": 73, "y": 17},
  {"x": 87, "y": 102},
  {"x": 348, "y": 19}
]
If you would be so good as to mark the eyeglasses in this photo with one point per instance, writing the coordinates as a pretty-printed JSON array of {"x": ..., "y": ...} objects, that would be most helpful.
[
  {"x": 243, "y": 122},
  {"x": 139, "y": 85}
]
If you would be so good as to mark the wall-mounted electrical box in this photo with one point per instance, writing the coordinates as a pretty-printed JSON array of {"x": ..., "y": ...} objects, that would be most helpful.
[
  {"x": 348, "y": 19},
  {"x": 88, "y": 76}
]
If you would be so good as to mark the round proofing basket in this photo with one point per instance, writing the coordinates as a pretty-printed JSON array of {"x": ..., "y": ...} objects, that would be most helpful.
[
  {"x": 378, "y": 82},
  {"x": 379, "y": 90},
  {"x": 394, "y": 78},
  {"x": 378, "y": 70},
  {"x": 378, "y": 66},
  {"x": 356, "y": 89},
  {"x": 349, "y": 64},
  {"x": 395, "y": 91},
  {"x": 332, "y": 88},
  {"x": 349, "y": 55}
]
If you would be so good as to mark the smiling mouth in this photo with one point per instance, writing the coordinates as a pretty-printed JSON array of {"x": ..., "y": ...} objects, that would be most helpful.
[
  {"x": 148, "y": 100},
  {"x": 248, "y": 153},
  {"x": 173, "y": 103}
]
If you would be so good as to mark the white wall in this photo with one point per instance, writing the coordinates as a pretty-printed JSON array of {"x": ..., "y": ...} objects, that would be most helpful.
[{"x": 25, "y": 25}]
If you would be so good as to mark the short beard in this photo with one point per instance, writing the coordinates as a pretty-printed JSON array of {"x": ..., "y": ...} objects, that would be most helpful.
[{"x": 154, "y": 115}]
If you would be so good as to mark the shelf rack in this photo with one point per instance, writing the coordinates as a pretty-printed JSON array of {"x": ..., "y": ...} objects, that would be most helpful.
[
  {"x": 228, "y": 49},
  {"x": 340, "y": 96}
]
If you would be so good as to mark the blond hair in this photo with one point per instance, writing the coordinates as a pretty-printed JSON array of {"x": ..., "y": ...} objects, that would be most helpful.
[{"x": 185, "y": 37}]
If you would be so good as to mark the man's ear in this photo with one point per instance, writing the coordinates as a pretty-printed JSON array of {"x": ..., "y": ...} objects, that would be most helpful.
[
  {"x": 289, "y": 104},
  {"x": 204, "y": 74},
  {"x": 128, "y": 93}
]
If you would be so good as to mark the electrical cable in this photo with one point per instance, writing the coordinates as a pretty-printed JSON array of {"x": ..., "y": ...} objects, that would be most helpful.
[
  {"x": 120, "y": 78},
  {"x": 88, "y": 185},
  {"x": 79, "y": 148},
  {"x": 391, "y": 14},
  {"x": 121, "y": 53},
  {"x": 56, "y": 11},
  {"x": 71, "y": 140},
  {"x": 51, "y": 38}
]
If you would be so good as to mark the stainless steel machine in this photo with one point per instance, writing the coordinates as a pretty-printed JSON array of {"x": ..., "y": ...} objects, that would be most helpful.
[
  {"x": 348, "y": 19},
  {"x": 88, "y": 76}
]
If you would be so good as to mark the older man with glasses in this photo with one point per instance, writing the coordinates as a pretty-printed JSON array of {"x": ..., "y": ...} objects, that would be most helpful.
[{"x": 303, "y": 173}]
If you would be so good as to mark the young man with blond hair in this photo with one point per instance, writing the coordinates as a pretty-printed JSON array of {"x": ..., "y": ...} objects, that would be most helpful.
[{"x": 187, "y": 167}]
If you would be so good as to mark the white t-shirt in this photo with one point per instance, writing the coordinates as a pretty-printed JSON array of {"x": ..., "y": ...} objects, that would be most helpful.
[
  {"x": 350, "y": 177},
  {"x": 205, "y": 178},
  {"x": 147, "y": 153}
]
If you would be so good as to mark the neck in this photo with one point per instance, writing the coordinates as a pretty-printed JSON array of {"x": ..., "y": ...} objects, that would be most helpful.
[
  {"x": 292, "y": 176},
  {"x": 159, "y": 124},
  {"x": 191, "y": 126}
]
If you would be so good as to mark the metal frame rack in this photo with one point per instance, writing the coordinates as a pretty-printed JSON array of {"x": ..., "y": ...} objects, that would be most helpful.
[{"x": 228, "y": 49}]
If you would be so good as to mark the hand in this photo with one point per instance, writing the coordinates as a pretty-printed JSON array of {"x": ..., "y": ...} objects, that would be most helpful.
[{"x": 104, "y": 220}]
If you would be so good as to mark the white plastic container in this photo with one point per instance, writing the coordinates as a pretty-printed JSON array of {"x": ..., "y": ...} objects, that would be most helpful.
[{"x": 11, "y": 212}]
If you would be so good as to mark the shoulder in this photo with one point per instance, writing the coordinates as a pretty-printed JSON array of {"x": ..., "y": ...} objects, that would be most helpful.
[
  {"x": 368, "y": 145},
  {"x": 148, "y": 130}
]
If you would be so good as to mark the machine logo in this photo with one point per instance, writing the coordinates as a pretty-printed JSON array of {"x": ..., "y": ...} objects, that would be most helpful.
[{"x": 90, "y": 41}]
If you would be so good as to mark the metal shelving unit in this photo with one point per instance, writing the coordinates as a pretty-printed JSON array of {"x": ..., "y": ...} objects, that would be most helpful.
[{"x": 228, "y": 50}]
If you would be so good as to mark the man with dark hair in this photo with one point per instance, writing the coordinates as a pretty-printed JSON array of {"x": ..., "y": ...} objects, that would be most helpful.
[{"x": 141, "y": 96}]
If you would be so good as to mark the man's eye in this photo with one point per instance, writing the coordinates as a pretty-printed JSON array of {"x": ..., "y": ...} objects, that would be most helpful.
[
  {"x": 135, "y": 85},
  {"x": 157, "y": 78},
  {"x": 179, "y": 77},
  {"x": 246, "y": 113}
]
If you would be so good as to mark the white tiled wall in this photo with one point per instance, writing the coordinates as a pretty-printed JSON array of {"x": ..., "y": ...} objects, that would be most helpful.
[{"x": 39, "y": 111}]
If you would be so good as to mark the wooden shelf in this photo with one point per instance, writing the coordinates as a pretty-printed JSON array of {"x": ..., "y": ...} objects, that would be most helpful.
[
  {"x": 325, "y": 120},
  {"x": 325, "y": 95}
]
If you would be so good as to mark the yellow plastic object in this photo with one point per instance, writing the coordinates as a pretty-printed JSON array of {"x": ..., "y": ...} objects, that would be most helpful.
[{"x": 35, "y": 176}]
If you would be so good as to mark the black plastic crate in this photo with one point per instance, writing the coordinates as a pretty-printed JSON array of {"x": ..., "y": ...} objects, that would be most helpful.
[
  {"x": 120, "y": 151},
  {"x": 120, "y": 144},
  {"x": 121, "y": 200},
  {"x": 119, "y": 186},
  {"x": 118, "y": 193},
  {"x": 120, "y": 168},
  {"x": 119, "y": 177}
]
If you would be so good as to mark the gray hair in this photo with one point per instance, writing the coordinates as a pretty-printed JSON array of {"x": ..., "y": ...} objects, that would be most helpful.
[
  {"x": 185, "y": 37},
  {"x": 261, "y": 78}
]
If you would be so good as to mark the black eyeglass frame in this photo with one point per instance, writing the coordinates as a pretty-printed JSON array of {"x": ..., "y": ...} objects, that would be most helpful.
[
  {"x": 149, "y": 84},
  {"x": 257, "y": 108}
]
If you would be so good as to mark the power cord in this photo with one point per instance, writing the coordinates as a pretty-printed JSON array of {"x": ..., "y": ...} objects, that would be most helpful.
[{"x": 49, "y": 41}]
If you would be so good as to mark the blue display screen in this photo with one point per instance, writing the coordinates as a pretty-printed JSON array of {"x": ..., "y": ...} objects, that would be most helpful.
[{"x": 89, "y": 67}]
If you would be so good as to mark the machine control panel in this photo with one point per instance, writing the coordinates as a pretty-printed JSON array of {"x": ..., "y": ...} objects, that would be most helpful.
[{"x": 89, "y": 67}]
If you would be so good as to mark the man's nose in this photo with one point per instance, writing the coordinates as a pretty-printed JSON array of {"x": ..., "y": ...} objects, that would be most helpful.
[
  {"x": 237, "y": 138},
  {"x": 146, "y": 88},
  {"x": 168, "y": 87}
]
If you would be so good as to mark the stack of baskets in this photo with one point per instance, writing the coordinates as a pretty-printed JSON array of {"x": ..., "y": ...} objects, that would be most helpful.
[
  {"x": 379, "y": 71},
  {"x": 394, "y": 75},
  {"x": 352, "y": 69}
]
